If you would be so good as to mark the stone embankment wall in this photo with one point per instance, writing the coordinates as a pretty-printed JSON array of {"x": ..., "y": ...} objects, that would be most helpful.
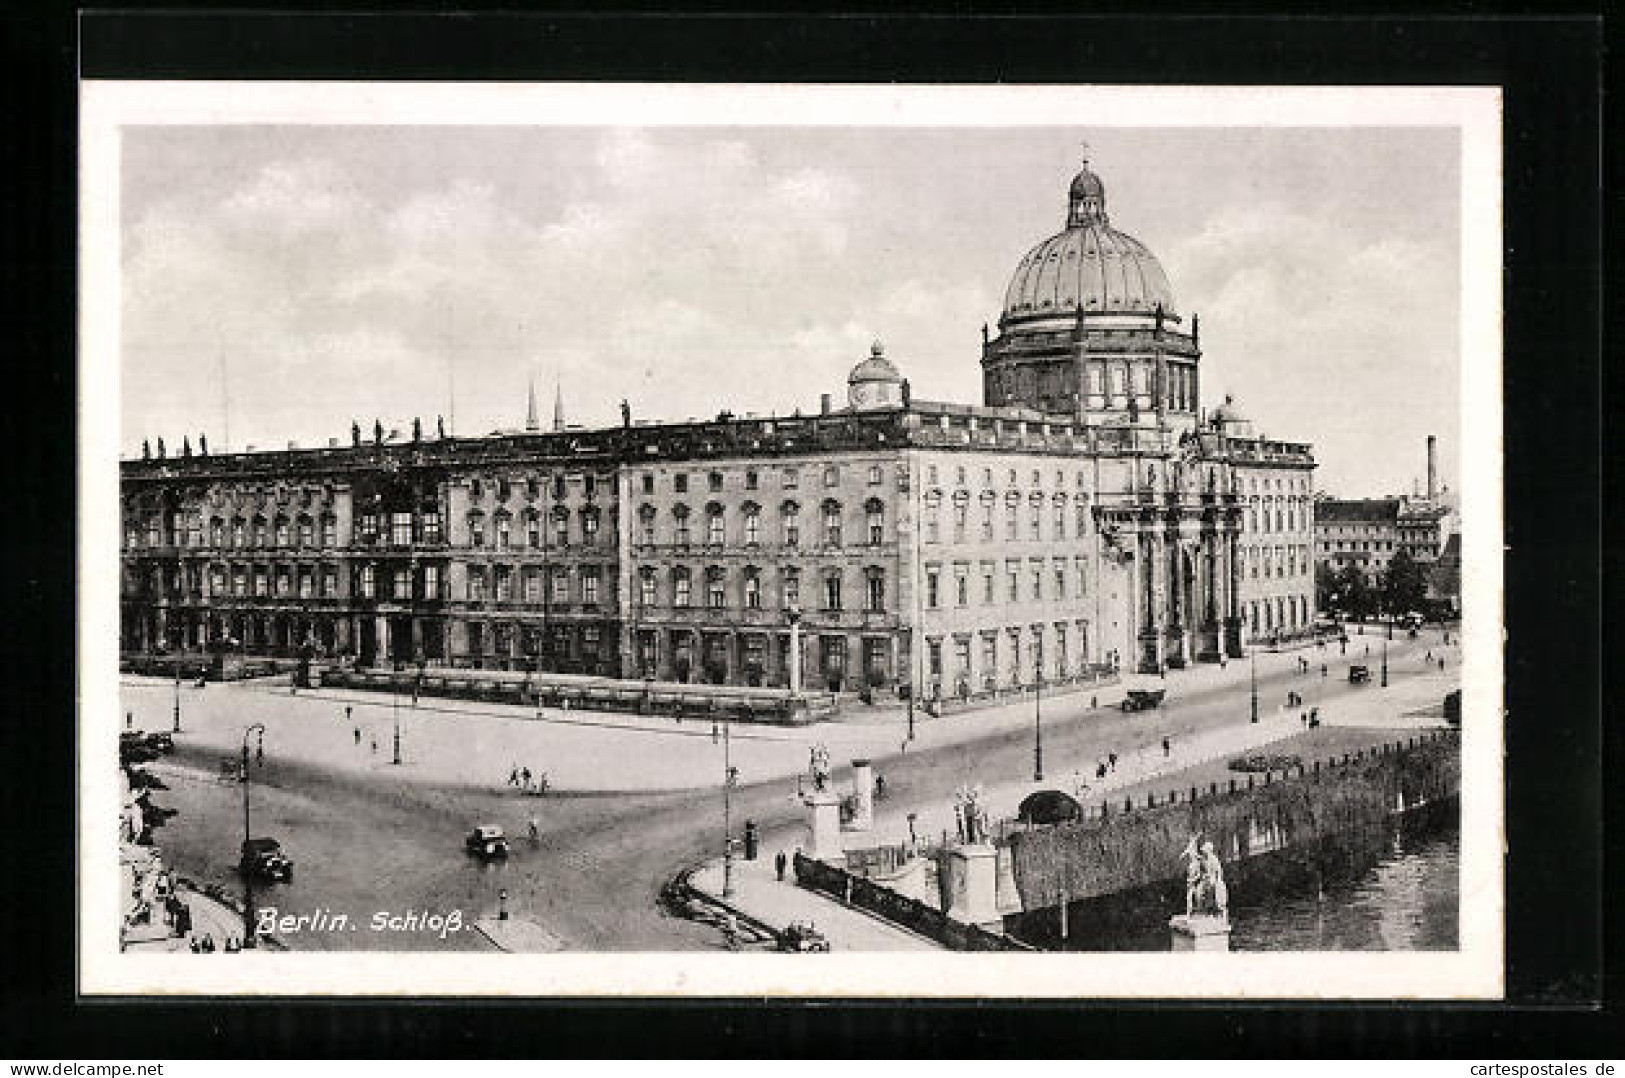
[
  {"x": 900, "y": 909},
  {"x": 1135, "y": 846}
]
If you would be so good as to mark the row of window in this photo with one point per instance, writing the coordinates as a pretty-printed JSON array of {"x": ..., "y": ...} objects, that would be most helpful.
[
  {"x": 303, "y": 531},
  {"x": 986, "y": 511},
  {"x": 933, "y": 477},
  {"x": 678, "y": 585},
  {"x": 789, "y": 479},
  {"x": 1351, "y": 544},
  {"x": 832, "y": 531},
  {"x": 505, "y": 584},
  {"x": 1276, "y": 561},
  {"x": 1033, "y": 575},
  {"x": 503, "y": 487},
  {"x": 1026, "y": 649},
  {"x": 500, "y": 533},
  {"x": 1281, "y": 613}
]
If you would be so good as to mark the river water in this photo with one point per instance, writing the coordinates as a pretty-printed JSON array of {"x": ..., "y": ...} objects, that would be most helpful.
[{"x": 1407, "y": 901}]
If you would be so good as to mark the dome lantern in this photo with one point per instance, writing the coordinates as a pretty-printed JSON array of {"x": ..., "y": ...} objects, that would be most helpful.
[{"x": 875, "y": 382}]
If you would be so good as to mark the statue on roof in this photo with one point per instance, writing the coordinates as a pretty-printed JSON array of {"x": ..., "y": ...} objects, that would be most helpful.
[
  {"x": 186, "y": 445},
  {"x": 440, "y": 425},
  {"x": 626, "y": 413},
  {"x": 203, "y": 445},
  {"x": 417, "y": 429},
  {"x": 161, "y": 453},
  {"x": 378, "y": 431},
  {"x": 146, "y": 449},
  {"x": 355, "y": 433}
]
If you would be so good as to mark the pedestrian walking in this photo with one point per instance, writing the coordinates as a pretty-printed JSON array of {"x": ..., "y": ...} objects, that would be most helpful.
[
  {"x": 513, "y": 776},
  {"x": 358, "y": 736},
  {"x": 1167, "y": 748},
  {"x": 1441, "y": 662},
  {"x": 524, "y": 776},
  {"x": 535, "y": 832},
  {"x": 375, "y": 744},
  {"x": 779, "y": 863},
  {"x": 1322, "y": 669},
  {"x": 880, "y": 787},
  {"x": 1429, "y": 658},
  {"x": 1100, "y": 772},
  {"x": 1303, "y": 717},
  {"x": 1111, "y": 760}
]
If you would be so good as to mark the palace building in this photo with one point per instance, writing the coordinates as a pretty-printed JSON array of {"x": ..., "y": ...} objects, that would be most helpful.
[{"x": 1088, "y": 514}]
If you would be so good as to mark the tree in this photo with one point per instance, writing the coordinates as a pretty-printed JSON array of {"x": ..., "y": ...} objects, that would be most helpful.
[{"x": 1403, "y": 586}]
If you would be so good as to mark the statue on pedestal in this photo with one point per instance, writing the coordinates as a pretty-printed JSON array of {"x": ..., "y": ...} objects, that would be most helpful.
[
  {"x": 820, "y": 766},
  {"x": 1205, "y": 890}
]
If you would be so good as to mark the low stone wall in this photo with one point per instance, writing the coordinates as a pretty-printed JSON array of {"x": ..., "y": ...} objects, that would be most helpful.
[
  {"x": 1096, "y": 679},
  {"x": 911, "y": 913},
  {"x": 701, "y": 702}
]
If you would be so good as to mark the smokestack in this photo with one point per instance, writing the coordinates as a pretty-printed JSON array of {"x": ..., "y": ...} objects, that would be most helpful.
[
  {"x": 1433, "y": 468},
  {"x": 823, "y": 404}
]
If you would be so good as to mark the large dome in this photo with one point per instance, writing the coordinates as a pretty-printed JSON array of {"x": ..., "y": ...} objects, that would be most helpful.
[{"x": 1089, "y": 267}]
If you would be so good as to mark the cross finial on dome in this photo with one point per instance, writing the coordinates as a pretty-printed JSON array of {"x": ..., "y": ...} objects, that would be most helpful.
[
  {"x": 878, "y": 348},
  {"x": 1083, "y": 144}
]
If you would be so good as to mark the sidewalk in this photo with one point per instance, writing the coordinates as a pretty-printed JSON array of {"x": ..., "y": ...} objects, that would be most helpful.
[{"x": 759, "y": 894}]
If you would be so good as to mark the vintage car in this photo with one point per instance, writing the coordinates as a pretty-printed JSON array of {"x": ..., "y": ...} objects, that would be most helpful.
[
  {"x": 162, "y": 741},
  {"x": 487, "y": 840},
  {"x": 1359, "y": 675},
  {"x": 133, "y": 748},
  {"x": 1452, "y": 707},
  {"x": 800, "y": 937},
  {"x": 1143, "y": 699},
  {"x": 263, "y": 859}
]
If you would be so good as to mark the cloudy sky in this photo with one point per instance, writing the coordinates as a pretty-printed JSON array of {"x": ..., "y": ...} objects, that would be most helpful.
[{"x": 331, "y": 273}]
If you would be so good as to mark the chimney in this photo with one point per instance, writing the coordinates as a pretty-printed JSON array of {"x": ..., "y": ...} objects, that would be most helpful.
[
  {"x": 823, "y": 404},
  {"x": 1433, "y": 468}
]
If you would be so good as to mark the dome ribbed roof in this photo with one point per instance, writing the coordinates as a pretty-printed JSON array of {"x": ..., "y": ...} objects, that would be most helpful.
[
  {"x": 877, "y": 368},
  {"x": 1090, "y": 267}
]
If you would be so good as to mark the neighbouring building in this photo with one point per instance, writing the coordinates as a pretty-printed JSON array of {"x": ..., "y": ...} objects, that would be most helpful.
[{"x": 1089, "y": 514}]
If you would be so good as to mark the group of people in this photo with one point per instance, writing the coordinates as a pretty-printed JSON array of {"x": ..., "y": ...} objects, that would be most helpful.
[{"x": 522, "y": 778}]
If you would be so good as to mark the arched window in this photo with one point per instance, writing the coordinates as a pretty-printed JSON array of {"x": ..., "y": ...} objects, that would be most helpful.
[
  {"x": 753, "y": 588},
  {"x": 217, "y": 532},
  {"x": 646, "y": 587},
  {"x": 832, "y": 523},
  {"x": 790, "y": 514},
  {"x": 680, "y": 585},
  {"x": 753, "y": 523},
  {"x": 646, "y": 524},
  {"x": 307, "y": 531},
  {"x": 589, "y": 525},
  {"x": 330, "y": 529},
  {"x": 476, "y": 529},
  {"x": 715, "y": 525},
  {"x": 933, "y": 517},
  {"x": 961, "y": 511},
  {"x": 561, "y": 527},
  {"x": 262, "y": 532},
  {"x": 680, "y": 534},
  {"x": 503, "y": 526},
  {"x": 791, "y": 592},
  {"x": 875, "y": 511},
  {"x": 281, "y": 530},
  {"x": 239, "y": 532}
]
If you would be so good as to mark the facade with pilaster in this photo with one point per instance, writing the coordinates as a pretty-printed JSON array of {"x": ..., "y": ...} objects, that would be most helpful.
[{"x": 1088, "y": 514}]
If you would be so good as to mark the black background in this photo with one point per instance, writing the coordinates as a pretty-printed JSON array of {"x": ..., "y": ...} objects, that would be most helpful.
[{"x": 1554, "y": 385}]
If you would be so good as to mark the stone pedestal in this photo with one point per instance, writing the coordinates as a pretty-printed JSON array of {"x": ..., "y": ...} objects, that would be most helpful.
[
  {"x": 1199, "y": 932},
  {"x": 863, "y": 785},
  {"x": 824, "y": 826},
  {"x": 1232, "y": 638},
  {"x": 973, "y": 884}
]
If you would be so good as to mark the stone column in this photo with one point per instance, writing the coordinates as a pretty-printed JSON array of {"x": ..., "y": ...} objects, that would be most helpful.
[
  {"x": 385, "y": 651},
  {"x": 1211, "y": 648},
  {"x": 1232, "y": 623},
  {"x": 972, "y": 876},
  {"x": 863, "y": 785},
  {"x": 795, "y": 655},
  {"x": 1149, "y": 559},
  {"x": 1175, "y": 651},
  {"x": 824, "y": 825}
]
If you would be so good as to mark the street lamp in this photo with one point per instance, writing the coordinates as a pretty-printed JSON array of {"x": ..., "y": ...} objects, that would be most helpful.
[
  {"x": 177, "y": 695},
  {"x": 1253, "y": 658},
  {"x": 1038, "y": 724},
  {"x": 248, "y": 833},
  {"x": 395, "y": 707},
  {"x": 729, "y": 778},
  {"x": 1385, "y": 664}
]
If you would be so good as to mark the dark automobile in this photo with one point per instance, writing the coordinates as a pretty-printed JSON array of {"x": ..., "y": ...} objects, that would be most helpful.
[
  {"x": 161, "y": 742},
  {"x": 800, "y": 937},
  {"x": 1452, "y": 707},
  {"x": 263, "y": 859},
  {"x": 133, "y": 748},
  {"x": 1359, "y": 675},
  {"x": 1143, "y": 699},
  {"x": 487, "y": 840}
]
